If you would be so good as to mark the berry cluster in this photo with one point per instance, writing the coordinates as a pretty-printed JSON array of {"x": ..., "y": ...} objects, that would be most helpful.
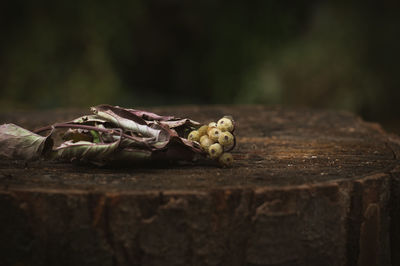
[{"x": 216, "y": 139}]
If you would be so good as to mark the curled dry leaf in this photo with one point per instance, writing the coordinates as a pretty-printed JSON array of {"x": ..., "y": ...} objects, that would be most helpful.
[
  {"x": 96, "y": 153},
  {"x": 149, "y": 115},
  {"x": 19, "y": 143},
  {"x": 128, "y": 121}
]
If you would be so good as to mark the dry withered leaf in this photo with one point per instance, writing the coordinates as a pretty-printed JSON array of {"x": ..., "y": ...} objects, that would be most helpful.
[{"x": 109, "y": 134}]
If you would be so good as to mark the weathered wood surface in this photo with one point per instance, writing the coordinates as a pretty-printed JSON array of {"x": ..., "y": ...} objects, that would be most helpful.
[{"x": 309, "y": 187}]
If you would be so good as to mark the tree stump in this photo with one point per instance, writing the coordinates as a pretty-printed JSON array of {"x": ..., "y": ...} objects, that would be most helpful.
[{"x": 308, "y": 187}]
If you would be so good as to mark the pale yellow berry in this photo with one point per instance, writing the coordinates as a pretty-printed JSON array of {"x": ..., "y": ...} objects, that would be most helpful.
[
  {"x": 209, "y": 129},
  {"x": 203, "y": 130},
  {"x": 225, "y": 139},
  {"x": 194, "y": 136},
  {"x": 215, "y": 150},
  {"x": 214, "y": 133},
  {"x": 226, "y": 159},
  {"x": 225, "y": 124},
  {"x": 205, "y": 143},
  {"x": 212, "y": 124},
  {"x": 203, "y": 137}
]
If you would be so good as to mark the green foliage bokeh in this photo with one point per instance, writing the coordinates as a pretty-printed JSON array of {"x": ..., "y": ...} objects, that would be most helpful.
[{"x": 313, "y": 53}]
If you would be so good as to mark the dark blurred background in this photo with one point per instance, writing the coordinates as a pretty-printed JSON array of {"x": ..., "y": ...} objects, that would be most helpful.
[{"x": 323, "y": 54}]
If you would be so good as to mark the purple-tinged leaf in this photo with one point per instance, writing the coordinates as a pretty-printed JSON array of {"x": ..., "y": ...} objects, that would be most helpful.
[
  {"x": 85, "y": 151},
  {"x": 76, "y": 135},
  {"x": 130, "y": 155},
  {"x": 134, "y": 143},
  {"x": 88, "y": 119},
  {"x": 128, "y": 121},
  {"x": 107, "y": 133},
  {"x": 19, "y": 143},
  {"x": 171, "y": 121},
  {"x": 118, "y": 111},
  {"x": 180, "y": 122},
  {"x": 149, "y": 115},
  {"x": 177, "y": 149}
]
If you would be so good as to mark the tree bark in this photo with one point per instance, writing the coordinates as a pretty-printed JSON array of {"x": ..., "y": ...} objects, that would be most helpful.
[{"x": 308, "y": 187}]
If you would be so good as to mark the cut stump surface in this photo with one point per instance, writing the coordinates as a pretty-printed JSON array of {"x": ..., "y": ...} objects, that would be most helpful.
[{"x": 307, "y": 186}]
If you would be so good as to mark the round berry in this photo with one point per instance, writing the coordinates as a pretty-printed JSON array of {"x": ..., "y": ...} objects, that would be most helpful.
[
  {"x": 215, "y": 150},
  {"x": 225, "y": 124},
  {"x": 194, "y": 136},
  {"x": 203, "y": 137},
  {"x": 209, "y": 129},
  {"x": 203, "y": 130},
  {"x": 205, "y": 143},
  {"x": 214, "y": 133},
  {"x": 226, "y": 159},
  {"x": 212, "y": 124},
  {"x": 225, "y": 139}
]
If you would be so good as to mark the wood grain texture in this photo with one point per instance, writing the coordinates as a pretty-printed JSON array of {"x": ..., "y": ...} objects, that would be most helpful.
[{"x": 308, "y": 186}]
